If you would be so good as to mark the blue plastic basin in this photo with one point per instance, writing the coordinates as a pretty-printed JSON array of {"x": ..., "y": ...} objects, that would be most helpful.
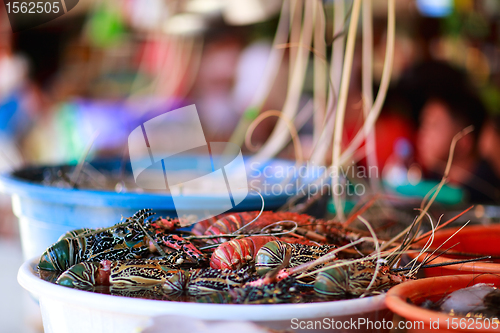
[{"x": 46, "y": 212}]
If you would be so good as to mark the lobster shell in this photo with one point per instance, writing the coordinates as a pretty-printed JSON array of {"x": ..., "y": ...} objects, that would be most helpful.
[{"x": 238, "y": 252}]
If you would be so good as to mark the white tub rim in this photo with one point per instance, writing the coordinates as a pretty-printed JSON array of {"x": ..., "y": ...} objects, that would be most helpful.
[{"x": 252, "y": 312}]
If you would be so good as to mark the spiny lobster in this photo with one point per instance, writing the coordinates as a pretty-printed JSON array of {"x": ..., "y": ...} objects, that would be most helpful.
[
  {"x": 147, "y": 272},
  {"x": 353, "y": 279},
  {"x": 273, "y": 254},
  {"x": 135, "y": 238},
  {"x": 284, "y": 291},
  {"x": 238, "y": 252},
  {"x": 306, "y": 225}
]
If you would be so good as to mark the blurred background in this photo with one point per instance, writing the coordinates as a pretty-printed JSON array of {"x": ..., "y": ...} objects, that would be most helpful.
[{"x": 107, "y": 66}]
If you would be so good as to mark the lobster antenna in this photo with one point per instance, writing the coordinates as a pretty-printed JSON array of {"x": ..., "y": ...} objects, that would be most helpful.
[
  {"x": 456, "y": 232},
  {"x": 428, "y": 259},
  {"x": 257, "y": 217},
  {"x": 448, "y": 263},
  {"x": 97, "y": 231},
  {"x": 211, "y": 246},
  {"x": 270, "y": 73},
  {"x": 143, "y": 214},
  {"x": 336, "y": 264},
  {"x": 296, "y": 225},
  {"x": 340, "y": 23},
  {"x": 453, "y": 219},
  {"x": 313, "y": 264},
  {"x": 465, "y": 254},
  {"x": 384, "y": 84},
  {"x": 429, "y": 242},
  {"x": 291, "y": 205},
  {"x": 78, "y": 170},
  {"x": 246, "y": 235},
  {"x": 297, "y": 146},
  {"x": 400, "y": 249},
  {"x": 377, "y": 253}
]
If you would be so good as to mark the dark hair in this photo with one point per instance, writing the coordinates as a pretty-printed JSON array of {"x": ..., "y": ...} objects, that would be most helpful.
[
  {"x": 437, "y": 80},
  {"x": 464, "y": 106}
]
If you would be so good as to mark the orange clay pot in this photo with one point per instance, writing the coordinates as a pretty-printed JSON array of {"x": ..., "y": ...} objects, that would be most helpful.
[
  {"x": 422, "y": 320},
  {"x": 479, "y": 240}
]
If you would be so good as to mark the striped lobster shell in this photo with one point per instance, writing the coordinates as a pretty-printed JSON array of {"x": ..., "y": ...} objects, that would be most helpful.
[
  {"x": 146, "y": 272},
  {"x": 128, "y": 240},
  {"x": 142, "y": 272},
  {"x": 80, "y": 276},
  {"x": 353, "y": 280},
  {"x": 208, "y": 281},
  {"x": 284, "y": 291},
  {"x": 238, "y": 252},
  {"x": 273, "y": 253},
  {"x": 120, "y": 242}
]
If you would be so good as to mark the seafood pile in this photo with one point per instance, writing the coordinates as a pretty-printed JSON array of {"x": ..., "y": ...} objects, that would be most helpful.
[{"x": 237, "y": 258}]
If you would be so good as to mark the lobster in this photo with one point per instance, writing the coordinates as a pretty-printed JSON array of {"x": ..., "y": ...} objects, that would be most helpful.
[
  {"x": 156, "y": 292},
  {"x": 272, "y": 255},
  {"x": 135, "y": 238},
  {"x": 238, "y": 252},
  {"x": 284, "y": 291},
  {"x": 147, "y": 272},
  {"x": 353, "y": 279},
  {"x": 305, "y": 225}
]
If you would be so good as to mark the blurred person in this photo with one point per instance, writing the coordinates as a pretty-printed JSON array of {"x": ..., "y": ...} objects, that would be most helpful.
[
  {"x": 448, "y": 105},
  {"x": 231, "y": 70},
  {"x": 393, "y": 124},
  {"x": 212, "y": 90}
]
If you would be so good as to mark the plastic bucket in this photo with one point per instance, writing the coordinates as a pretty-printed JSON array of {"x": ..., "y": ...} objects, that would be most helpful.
[
  {"x": 45, "y": 212},
  {"x": 478, "y": 240},
  {"x": 70, "y": 310},
  {"x": 404, "y": 301}
]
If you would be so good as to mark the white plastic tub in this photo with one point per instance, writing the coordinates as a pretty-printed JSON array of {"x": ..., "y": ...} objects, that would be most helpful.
[{"x": 68, "y": 310}]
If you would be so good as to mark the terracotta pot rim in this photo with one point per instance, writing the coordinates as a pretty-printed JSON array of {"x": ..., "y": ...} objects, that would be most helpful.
[
  {"x": 397, "y": 296},
  {"x": 477, "y": 267},
  {"x": 470, "y": 267}
]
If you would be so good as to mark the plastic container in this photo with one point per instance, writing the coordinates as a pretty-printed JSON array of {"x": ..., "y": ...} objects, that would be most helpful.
[
  {"x": 46, "y": 212},
  {"x": 478, "y": 240},
  {"x": 404, "y": 301},
  {"x": 69, "y": 310}
]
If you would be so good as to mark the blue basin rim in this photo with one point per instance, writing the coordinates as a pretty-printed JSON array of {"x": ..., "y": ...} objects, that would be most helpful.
[
  {"x": 24, "y": 188},
  {"x": 12, "y": 185}
]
